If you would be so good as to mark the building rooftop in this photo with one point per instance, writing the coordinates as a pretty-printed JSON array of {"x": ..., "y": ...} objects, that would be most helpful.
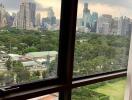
[
  {"x": 41, "y": 54},
  {"x": 14, "y": 56},
  {"x": 30, "y": 63}
]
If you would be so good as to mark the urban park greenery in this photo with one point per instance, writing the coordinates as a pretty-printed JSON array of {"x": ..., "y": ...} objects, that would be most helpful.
[{"x": 94, "y": 53}]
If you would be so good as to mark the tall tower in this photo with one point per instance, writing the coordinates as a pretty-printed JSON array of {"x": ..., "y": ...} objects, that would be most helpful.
[
  {"x": 85, "y": 9},
  {"x": 26, "y": 15},
  {"x": 86, "y": 16},
  {"x": 124, "y": 26},
  {"x": 3, "y": 16},
  {"x": 32, "y": 11},
  {"x": 22, "y": 15},
  {"x": 38, "y": 21}
]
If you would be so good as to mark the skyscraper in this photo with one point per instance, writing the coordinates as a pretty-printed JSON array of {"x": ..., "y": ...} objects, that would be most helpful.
[
  {"x": 32, "y": 8},
  {"x": 26, "y": 15},
  {"x": 94, "y": 18},
  {"x": 86, "y": 10},
  {"x": 124, "y": 26},
  {"x": 38, "y": 20},
  {"x": 3, "y": 15},
  {"x": 15, "y": 21},
  {"x": 51, "y": 19},
  {"x": 86, "y": 16},
  {"x": 104, "y": 23},
  {"x": 114, "y": 26}
]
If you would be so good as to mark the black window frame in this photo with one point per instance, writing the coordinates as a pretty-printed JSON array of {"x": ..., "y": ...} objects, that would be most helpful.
[{"x": 64, "y": 83}]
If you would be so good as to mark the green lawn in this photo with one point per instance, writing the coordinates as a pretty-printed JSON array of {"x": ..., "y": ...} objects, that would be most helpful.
[{"x": 114, "y": 90}]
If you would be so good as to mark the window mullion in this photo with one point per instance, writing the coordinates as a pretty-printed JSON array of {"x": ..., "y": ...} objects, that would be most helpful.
[{"x": 67, "y": 44}]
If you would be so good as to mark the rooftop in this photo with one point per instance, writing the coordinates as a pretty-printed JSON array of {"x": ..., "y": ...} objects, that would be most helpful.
[{"x": 41, "y": 54}]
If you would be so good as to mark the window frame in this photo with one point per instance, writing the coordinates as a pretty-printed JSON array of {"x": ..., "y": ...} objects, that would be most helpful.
[{"x": 64, "y": 83}]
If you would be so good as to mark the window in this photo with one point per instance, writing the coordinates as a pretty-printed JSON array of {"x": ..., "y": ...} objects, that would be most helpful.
[
  {"x": 108, "y": 90},
  {"x": 102, "y": 39},
  {"x": 29, "y": 41},
  {"x": 61, "y": 79}
]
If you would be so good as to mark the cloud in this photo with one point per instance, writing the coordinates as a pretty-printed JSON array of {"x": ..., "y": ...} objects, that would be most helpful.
[
  {"x": 12, "y": 4},
  {"x": 113, "y": 7},
  {"x": 121, "y": 3},
  {"x": 55, "y": 4}
]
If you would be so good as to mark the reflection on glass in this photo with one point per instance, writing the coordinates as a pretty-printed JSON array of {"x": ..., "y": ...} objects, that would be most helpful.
[
  {"x": 53, "y": 96},
  {"x": 102, "y": 39},
  {"x": 109, "y": 90},
  {"x": 29, "y": 36}
]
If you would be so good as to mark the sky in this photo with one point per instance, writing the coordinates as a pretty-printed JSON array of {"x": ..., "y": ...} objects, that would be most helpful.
[{"x": 114, "y": 7}]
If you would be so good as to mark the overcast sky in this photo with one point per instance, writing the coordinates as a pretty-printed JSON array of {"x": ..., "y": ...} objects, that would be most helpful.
[{"x": 113, "y": 7}]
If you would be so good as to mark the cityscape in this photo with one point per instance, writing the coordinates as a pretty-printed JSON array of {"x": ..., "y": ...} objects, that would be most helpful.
[
  {"x": 104, "y": 24},
  {"x": 29, "y": 45},
  {"x": 28, "y": 18},
  {"x": 32, "y": 57}
]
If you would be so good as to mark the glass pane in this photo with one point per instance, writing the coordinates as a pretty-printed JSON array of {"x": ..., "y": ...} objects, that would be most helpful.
[
  {"x": 29, "y": 40},
  {"x": 53, "y": 96},
  {"x": 109, "y": 90},
  {"x": 102, "y": 37}
]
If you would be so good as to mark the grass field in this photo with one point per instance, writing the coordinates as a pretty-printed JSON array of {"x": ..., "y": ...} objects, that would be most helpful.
[{"x": 115, "y": 90}]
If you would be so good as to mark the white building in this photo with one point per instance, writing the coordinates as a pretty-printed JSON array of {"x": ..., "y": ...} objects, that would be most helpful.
[
  {"x": 114, "y": 30},
  {"x": 38, "y": 20},
  {"x": 3, "y": 15},
  {"x": 42, "y": 56},
  {"x": 14, "y": 57},
  {"x": 104, "y": 23},
  {"x": 25, "y": 18},
  {"x": 124, "y": 26}
]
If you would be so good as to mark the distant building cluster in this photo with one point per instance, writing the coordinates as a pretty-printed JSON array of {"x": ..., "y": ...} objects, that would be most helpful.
[
  {"x": 3, "y": 16},
  {"x": 28, "y": 18},
  {"x": 33, "y": 61},
  {"x": 104, "y": 24}
]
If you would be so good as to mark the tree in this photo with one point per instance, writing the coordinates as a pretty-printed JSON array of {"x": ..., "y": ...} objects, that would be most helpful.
[
  {"x": 8, "y": 64},
  {"x": 30, "y": 49},
  {"x": 52, "y": 68},
  {"x": 22, "y": 75}
]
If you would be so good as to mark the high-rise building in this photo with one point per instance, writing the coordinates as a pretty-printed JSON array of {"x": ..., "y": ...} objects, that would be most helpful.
[
  {"x": 50, "y": 12},
  {"x": 86, "y": 16},
  {"x": 114, "y": 26},
  {"x": 38, "y": 20},
  {"x": 32, "y": 12},
  {"x": 15, "y": 21},
  {"x": 10, "y": 20},
  {"x": 26, "y": 16},
  {"x": 104, "y": 23},
  {"x": 3, "y": 16},
  {"x": 94, "y": 18},
  {"x": 124, "y": 26},
  {"x": 51, "y": 19}
]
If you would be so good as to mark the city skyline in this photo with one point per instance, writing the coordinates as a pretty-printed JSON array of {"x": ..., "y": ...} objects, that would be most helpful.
[
  {"x": 13, "y": 6},
  {"x": 103, "y": 24},
  {"x": 29, "y": 17},
  {"x": 115, "y": 8}
]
